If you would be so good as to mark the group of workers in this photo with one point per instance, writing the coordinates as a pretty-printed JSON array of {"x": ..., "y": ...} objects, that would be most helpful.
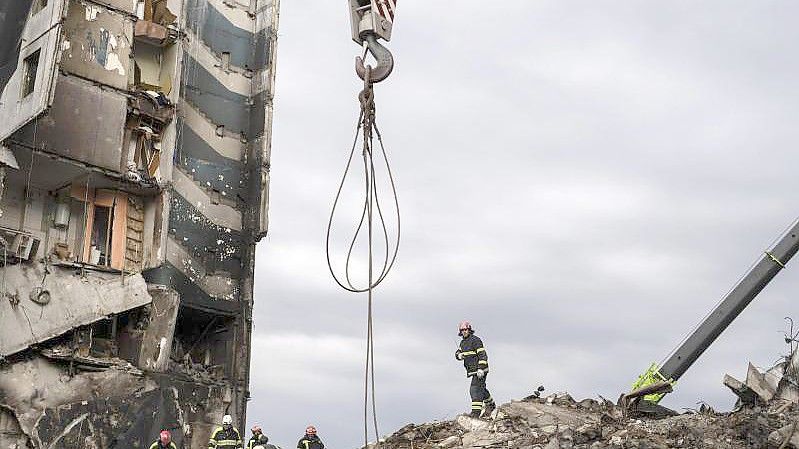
[
  {"x": 470, "y": 350},
  {"x": 228, "y": 437}
]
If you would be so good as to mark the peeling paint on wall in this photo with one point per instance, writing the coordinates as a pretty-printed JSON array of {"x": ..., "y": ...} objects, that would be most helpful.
[{"x": 99, "y": 43}]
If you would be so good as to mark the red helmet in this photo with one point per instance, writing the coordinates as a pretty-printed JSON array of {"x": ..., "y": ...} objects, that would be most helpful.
[
  {"x": 165, "y": 437},
  {"x": 465, "y": 325},
  {"x": 310, "y": 430}
]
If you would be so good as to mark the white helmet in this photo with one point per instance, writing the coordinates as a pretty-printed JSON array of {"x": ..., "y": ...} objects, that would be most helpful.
[{"x": 227, "y": 419}]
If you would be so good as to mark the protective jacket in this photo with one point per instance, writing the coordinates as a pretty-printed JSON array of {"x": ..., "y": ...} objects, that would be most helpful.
[
  {"x": 474, "y": 354},
  {"x": 158, "y": 445},
  {"x": 255, "y": 440},
  {"x": 225, "y": 439},
  {"x": 310, "y": 442}
]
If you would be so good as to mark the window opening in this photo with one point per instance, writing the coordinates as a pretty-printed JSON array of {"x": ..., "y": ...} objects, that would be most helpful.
[
  {"x": 29, "y": 75},
  {"x": 101, "y": 236}
]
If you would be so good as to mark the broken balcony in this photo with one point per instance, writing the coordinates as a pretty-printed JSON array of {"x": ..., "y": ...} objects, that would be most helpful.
[{"x": 41, "y": 302}]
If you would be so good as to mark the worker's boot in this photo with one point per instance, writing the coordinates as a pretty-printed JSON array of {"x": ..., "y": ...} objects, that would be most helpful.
[
  {"x": 475, "y": 414},
  {"x": 488, "y": 409}
]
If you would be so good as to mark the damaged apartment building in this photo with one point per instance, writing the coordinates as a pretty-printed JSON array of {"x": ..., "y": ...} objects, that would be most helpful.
[{"x": 134, "y": 171}]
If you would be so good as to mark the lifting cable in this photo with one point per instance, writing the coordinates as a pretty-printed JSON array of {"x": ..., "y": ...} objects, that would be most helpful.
[{"x": 368, "y": 125}]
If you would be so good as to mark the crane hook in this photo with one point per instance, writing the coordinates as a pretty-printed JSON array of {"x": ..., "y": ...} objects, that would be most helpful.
[{"x": 385, "y": 61}]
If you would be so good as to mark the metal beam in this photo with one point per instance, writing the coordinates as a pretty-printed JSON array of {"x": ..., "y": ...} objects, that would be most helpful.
[{"x": 772, "y": 262}]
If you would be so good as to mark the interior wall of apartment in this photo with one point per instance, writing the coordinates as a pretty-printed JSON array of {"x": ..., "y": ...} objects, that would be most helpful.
[{"x": 96, "y": 43}]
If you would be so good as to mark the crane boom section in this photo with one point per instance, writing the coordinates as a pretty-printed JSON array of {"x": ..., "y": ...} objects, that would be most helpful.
[{"x": 753, "y": 282}]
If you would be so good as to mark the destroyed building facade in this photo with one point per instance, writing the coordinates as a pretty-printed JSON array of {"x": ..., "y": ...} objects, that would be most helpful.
[{"x": 134, "y": 171}]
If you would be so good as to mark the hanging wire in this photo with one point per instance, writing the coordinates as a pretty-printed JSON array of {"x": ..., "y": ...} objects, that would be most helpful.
[{"x": 368, "y": 125}]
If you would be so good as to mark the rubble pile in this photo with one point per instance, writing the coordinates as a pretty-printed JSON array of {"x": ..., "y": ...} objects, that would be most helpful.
[{"x": 560, "y": 422}]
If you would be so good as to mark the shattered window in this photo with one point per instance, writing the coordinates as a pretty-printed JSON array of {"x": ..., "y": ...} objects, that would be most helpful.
[{"x": 29, "y": 75}]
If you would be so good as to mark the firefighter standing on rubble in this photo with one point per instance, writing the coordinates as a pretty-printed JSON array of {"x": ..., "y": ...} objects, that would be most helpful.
[
  {"x": 225, "y": 437},
  {"x": 310, "y": 440},
  {"x": 475, "y": 360}
]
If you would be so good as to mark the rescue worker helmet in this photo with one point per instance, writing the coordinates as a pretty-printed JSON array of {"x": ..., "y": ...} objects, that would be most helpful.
[
  {"x": 310, "y": 430},
  {"x": 464, "y": 326},
  {"x": 227, "y": 420},
  {"x": 165, "y": 437},
  {"x": 256, "y": 429}
]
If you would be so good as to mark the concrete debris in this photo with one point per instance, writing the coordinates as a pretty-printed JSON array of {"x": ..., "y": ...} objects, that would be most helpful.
[
  {"x": 51, "y": 301},
  {"x": 776, "y": 388},
  {"x": 560, "y": 422}
]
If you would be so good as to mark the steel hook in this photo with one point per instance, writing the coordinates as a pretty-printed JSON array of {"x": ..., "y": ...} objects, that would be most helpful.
[{"x": 385, "y": 61}]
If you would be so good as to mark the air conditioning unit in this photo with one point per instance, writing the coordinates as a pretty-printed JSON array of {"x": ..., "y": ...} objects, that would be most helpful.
[{"x": 19, "y": 245}]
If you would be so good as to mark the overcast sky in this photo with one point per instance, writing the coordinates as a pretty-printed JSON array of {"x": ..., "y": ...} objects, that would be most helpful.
[{"x": 582, "y": 180}]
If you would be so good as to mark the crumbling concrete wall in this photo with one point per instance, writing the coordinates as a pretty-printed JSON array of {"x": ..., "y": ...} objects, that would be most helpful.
[
  {"x": 29, "y": 88},
  {"x": 96, "y": 44},
  {"x": 118, "y": 408},
  {"x": 13, "y": 16},
  {"x": 157, "y": 341},
  {"x": 117, "y": 374},
  {"x": 39, "y": 303},
  {"x": 86, "y": 123}
]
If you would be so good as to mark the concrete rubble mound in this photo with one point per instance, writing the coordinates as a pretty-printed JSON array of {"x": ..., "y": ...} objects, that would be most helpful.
[{"x": 558, "y": 421}]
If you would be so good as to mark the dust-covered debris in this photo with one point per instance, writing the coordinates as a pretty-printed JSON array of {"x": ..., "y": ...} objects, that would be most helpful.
[{"x": 560, "y": 422}]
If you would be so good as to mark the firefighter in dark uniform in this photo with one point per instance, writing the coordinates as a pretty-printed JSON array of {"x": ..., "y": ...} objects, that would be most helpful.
[
  {"x": 475, "y": 360},
  {"x": 310, "y": 440},
  {"x": 258, "y": 438},
  {"x": 225, "y": 437},
  {"x": 164, "y": 441}
]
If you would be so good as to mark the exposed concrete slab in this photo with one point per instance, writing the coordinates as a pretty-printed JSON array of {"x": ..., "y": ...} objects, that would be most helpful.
[
  {"x": 759, "y": 384},
  {"x": 741, "y": 390},
  {"x": 190, "y": 293},
  {"x": 157, "y": 341},
  {"x": 73, "y": 301}
]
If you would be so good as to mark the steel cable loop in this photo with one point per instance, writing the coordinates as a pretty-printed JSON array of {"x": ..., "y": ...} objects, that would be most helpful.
[{"x": 367, "y": 123}]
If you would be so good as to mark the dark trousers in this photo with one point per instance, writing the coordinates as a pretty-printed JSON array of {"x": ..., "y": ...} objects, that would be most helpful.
[{"x": 479, "y": 393}]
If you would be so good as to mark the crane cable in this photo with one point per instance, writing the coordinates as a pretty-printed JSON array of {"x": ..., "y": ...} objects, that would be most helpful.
[{"x": 367, "y": 122}]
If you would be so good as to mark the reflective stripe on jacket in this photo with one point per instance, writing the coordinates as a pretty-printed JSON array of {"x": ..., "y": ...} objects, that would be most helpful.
[
  {"x": 157, "y": 445},
  {"x": 222, "y": 439},
  {"x": 256, "y": 440},
  {"x": 474, "y": 354},
  {"x": 310, "y": 442}
]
